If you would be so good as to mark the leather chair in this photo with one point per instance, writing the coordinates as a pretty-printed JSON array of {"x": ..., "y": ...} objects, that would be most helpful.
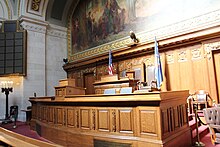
[
  {"x": 201, "y": 99},
  {"x": 212, "y": 117},
  {"x": 150, "y": 84}
]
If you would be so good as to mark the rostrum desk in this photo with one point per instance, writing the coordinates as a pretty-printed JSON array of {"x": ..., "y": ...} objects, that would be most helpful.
[{"x": 138, "y": 120}]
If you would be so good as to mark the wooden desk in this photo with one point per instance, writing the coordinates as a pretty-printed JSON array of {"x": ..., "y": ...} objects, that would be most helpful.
[
  {"x": 138, "y": 120},
  {"x": 100, "y": 86}
]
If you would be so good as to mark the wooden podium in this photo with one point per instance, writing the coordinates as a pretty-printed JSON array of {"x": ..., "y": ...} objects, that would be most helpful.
[
  {"x": 113, "y": 82},
  {"x": 68, "y": 87}
]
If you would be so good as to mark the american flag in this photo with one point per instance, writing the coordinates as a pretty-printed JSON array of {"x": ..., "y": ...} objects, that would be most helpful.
[{"x": 110, "y": 66}]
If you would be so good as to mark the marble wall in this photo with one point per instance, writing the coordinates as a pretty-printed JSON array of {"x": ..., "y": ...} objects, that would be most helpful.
[{"x": 46, "y": 48}]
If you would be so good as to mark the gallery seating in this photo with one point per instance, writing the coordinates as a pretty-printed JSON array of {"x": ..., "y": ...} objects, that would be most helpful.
[
  {"x": 200, "y": 99},
  {"x": 212, "y": 117}
]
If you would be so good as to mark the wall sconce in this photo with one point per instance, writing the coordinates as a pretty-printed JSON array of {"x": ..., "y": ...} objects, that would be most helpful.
[{"x": 7, "y": 88}]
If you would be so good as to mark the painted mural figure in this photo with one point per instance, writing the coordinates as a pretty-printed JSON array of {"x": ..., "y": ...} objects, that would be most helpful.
[
  {"x": 131, "y": 9},
  {"x": 75, "y": 35},
  {"x": 102, "y": 21},
  {"x": 114, "y": 7},
  {"x": 107, "y": 20},
  {"x": 122, "y": 19},
  {"x": 89, "y": 27}
]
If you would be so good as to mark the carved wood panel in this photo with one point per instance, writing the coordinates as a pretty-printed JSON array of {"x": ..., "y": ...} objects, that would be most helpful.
[
  {"x": 146, "y": 126},
  {"x": 50, "y": 115},
  {"x": 34, "y": 111},
  {"x": 39, "y": 112},
  {"x": 126, "y": 121},
  {"x": 103, "y": 120},
  {"x": 176, "y": 118},
  {"x": 85, "y": 118},
  {"x": 44, "y": 113},
  {"x": 70, "y": 120},
  {"x": 59, "y": 116}
]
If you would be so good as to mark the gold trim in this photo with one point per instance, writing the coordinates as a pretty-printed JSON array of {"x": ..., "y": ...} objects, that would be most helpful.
[
  {"x": 35, "y": 5},
  {"x": 19, "y": 2},
  {"x": 9, "y": 13},
  {"x": 3, "y": 26}
]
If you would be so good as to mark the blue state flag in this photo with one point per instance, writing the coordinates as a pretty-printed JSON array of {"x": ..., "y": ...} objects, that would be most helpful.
[{"x": 158, "y": 67}]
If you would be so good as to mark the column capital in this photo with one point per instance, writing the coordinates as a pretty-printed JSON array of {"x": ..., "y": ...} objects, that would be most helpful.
[{"x": 35, "y": 25}]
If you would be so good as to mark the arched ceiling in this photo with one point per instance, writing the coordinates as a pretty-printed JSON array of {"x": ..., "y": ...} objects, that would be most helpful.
[{"x": 58, "y": 11}]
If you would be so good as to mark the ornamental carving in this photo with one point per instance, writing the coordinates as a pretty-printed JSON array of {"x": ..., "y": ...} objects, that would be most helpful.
[
  {"x": 113, "y": 120},
  {"x": 209, "y": 47},
  {"x": 196, "y": 54},
  {"x": 170, "y": 58},
  {"x": 88, "y": 70},
  {"x": 182, "y": 56},
  {"x": 35, "y": 5},
  {"x": 148, "y": 61},
  {"x": 94, "y": 119},
  {"x": 128, "y": 65}
]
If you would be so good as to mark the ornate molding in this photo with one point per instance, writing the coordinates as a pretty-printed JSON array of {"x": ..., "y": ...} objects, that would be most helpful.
[
  {"x": 93, "y": 119},
  {"x": 170, "y": 58},
  {"x": 114, "y": 120},
  {"x": 148, "y": 61},
  {"x": 57, "y": 31},
  {"x": 196, "y": 54},
  {"x": 33, "y": 25},
  {"x": 8, "y": 8},
  {"x": 209, "y": 47},
  {"x": 195, "y": 24},
  {"x": 36, "y": 7},
  {"x": 182, "y": 56}
]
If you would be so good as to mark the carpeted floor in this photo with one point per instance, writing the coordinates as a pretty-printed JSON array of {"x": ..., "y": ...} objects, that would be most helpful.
[
  {"x": 24, "y": 129},
  {"x": 207, "y": 141}
]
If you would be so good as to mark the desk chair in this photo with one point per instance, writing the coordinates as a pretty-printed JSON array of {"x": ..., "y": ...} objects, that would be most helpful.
[{"x": 150, "y": 84}]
